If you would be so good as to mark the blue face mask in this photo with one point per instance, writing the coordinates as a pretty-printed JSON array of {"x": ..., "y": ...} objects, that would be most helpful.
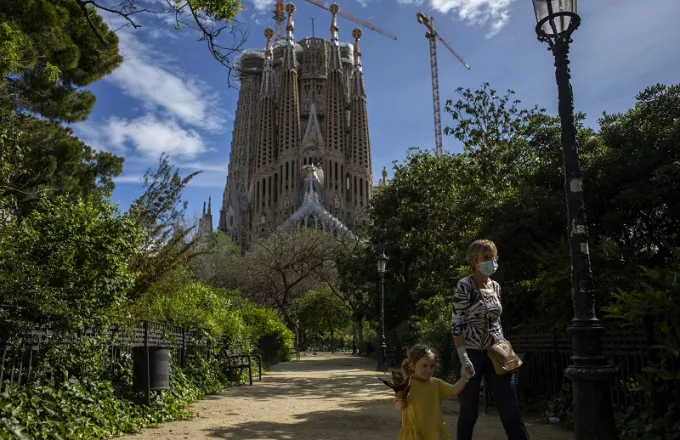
[{"x": 488, "y": 268}]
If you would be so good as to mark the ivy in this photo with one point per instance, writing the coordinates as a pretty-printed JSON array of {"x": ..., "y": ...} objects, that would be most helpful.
[{"x": 76, "y": 408}]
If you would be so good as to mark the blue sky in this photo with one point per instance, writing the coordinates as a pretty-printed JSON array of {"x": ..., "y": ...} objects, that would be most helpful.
[{"x": 170, "y": 95}]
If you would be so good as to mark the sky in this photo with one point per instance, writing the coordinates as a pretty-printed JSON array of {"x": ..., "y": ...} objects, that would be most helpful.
[{"x": 169, "y": 95}]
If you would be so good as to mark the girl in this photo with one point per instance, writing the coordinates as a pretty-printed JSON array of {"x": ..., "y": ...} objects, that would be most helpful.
[{"x": 421, "y": 411}]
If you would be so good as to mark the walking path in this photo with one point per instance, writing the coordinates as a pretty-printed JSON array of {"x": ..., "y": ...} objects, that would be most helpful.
[{"x": 324, "y": 397}]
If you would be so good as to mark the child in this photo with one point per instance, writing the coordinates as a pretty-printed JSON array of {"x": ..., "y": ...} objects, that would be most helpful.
[{"x": 421, "y": 411}]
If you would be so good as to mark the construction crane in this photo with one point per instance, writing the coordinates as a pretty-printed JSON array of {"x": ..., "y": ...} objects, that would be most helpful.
[
  {"x": 335, "y": 9},
  {"x": 431, "y": 35}
]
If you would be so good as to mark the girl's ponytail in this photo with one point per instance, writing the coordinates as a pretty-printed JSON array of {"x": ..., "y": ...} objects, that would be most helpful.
[{"x": 406, "y": 369}]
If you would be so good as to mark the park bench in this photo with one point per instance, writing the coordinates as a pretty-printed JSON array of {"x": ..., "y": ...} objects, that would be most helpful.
[{"x": 237, "y": 360}]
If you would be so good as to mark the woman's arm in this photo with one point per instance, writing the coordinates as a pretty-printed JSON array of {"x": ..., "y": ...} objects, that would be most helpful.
[{"x": 461, "y": 302}]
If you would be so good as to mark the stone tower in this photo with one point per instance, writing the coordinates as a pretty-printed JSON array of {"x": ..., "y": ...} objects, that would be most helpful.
[{"x": 300, "y": 137}]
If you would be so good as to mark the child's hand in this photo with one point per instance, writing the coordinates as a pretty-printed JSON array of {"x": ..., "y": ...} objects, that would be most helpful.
[{"x": 399, "y": 404}]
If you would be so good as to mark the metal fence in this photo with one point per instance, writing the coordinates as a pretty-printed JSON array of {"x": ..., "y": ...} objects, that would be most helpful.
[
  {"x": 22, "y": 353},
  {"x": 547, "y": 352}
]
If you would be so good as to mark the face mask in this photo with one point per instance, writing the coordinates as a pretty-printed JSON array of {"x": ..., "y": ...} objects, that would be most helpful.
[{"x": 488, "y": 267}]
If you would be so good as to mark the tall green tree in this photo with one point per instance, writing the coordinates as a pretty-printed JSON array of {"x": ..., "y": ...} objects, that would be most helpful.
[
  {"x": 67, "y": 263},
  {"x": 320, "y": 311},
  {"x": 160, "y": 212},
  {"x": 44, "y": 159},
  {"x": 632, "y": 190},
  {"x": 48, "y": 53}
]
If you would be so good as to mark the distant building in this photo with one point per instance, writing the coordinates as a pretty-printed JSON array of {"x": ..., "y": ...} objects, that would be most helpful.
[{"x": 301, "y": 124}]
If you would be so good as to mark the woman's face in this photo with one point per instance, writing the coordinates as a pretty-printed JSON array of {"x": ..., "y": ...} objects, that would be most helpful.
[{"x": 484, "y": 257}]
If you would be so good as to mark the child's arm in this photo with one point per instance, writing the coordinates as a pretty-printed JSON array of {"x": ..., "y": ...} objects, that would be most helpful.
[
  {"x": 447, "y": 391},
  {"x": 399, "y": 402},
  {"x": 459, "y": 385}
]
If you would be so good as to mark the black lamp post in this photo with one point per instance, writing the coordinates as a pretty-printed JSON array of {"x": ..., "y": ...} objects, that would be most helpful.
[
  {"x": 382, "y": 355},
  {"x": 589, "y": 370}
]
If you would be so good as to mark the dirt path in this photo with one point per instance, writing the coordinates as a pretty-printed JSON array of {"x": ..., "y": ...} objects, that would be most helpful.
[{"x": 329, "y": 397}]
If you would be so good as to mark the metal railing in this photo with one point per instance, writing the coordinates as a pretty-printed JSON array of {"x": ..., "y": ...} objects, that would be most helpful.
[
  {"x": 22, "y": 353},
  {"x": 547, "y": 351}
]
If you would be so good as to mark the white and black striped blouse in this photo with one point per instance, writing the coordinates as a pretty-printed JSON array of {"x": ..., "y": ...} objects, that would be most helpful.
[{"x": 470, "y": 316}]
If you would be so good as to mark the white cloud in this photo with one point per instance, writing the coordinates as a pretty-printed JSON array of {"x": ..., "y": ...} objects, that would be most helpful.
[
  {"x": 220, "y": 167},
  {"x": 263, "y": 5},
  {"x": 147, "y": 137},
  {"x": 145, "y": 75},
  {"x": 132, "y": 178},
  {"x": 492, "y": 13}
]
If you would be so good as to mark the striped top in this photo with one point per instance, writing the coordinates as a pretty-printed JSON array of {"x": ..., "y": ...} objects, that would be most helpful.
[{"x": 470, "y": 316}]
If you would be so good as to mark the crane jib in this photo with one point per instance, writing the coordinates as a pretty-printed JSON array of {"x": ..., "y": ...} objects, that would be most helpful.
[{"x": 354, "y": 19}]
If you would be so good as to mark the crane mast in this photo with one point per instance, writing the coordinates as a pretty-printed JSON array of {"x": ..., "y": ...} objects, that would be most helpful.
[
  {"x": 438, "y": 145},
  {"x": 432, "y": 35}
]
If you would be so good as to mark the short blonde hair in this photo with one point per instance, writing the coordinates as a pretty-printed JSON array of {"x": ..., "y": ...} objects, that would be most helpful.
[{"x": 481, "y": 247}]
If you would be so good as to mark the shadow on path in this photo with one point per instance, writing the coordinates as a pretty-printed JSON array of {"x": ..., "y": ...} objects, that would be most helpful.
[{"x": 328, "y": 396}]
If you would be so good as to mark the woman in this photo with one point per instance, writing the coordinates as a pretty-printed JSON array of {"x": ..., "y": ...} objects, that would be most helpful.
[{"x": 477, "y": 297}]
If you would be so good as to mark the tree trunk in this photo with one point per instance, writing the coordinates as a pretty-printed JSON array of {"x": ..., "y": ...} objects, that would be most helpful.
[
  {"x": 354, "y": 338},
  {"x": 332, "y": 340},
  {"x": 360, "y": 335}
]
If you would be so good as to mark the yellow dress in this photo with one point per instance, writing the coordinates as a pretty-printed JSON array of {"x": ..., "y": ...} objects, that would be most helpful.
[{"x": 422, "y": 418}]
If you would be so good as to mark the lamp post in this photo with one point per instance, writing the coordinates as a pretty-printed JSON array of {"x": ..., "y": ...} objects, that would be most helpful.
[
  {"x": 382, "y": 355},
  {"x": 589, "y": 370}
]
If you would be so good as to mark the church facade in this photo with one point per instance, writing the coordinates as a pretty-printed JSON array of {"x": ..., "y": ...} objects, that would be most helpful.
[{"x": 301, "y": 147}]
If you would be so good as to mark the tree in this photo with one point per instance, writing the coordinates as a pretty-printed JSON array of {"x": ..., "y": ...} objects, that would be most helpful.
[
  {"x": 48, "y": 53},
  {"x": 160, "y": 213},
  {"x": 346, "y": 280},
  {"x": 633, "y": 188},
  {"x": 67, "y": 263},
  {"x": 217, "y": 266},
  {"x": 45, "y": 159},
  {"x": 282, "y": 267},
  {"x": 321, "y": 311}
]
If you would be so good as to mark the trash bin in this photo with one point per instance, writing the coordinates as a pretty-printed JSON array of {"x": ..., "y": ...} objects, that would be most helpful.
[{"x": 159, "y": 368}]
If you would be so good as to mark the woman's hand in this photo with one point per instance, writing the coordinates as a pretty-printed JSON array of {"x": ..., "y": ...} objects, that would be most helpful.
[
  {"x": 399, "y": 404},
  {"x": 467, "y": 370}
]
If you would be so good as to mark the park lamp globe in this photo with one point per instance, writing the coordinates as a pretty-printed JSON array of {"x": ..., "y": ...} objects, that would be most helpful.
[
  {"x": 382, "y": 262},
  {"x": 556, "y": 20}
]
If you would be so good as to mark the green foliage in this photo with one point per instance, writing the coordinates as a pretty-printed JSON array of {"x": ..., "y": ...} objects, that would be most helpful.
[
  {"x": 160, "y": 212},
  {"x": 41, "y": 158},
  {"x": 68, "y": 262},
  {"x": 77, "y": 408},
  {"x": 193, "y": 305},
  {"x": 48, "y": 51},
  {"x": 320, "y": 311},
  {"x": 656, "y": 307},
  {"x": 217, "y": 264},
  {"x": 265, "y": 325},
  {"x": 561, "y": 406}
]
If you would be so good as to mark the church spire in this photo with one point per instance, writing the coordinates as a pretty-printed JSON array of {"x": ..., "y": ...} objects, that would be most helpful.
[
  {"x": 268, "y": 80},
  {"x": 335, "y": 63},
  {"x": 358, "y": 76},
  {"x": 289, "y": 58},
  {"x": 359, "y": 141},
  {"x": 266, "y": 113}
]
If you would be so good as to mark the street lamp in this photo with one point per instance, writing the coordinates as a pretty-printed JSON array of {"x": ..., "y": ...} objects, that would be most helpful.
[
  {"x": 382, "y": 355},
  {"x": 589, "y": 370}
]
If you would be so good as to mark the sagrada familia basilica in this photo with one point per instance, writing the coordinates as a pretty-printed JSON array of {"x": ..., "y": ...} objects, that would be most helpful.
[{"x": 301, "y": 151}]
